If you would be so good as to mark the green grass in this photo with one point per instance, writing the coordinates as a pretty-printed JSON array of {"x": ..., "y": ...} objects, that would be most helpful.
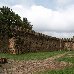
[
  {"x": 67, "y": 57},
  {"x": 64, "y": 71},
  {"x": 69, "y": 70},
  {"x": 31, "y": 56},
  {"x": 71, "y": 52}
]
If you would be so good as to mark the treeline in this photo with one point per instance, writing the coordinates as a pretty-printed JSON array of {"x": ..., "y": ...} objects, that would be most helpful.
[{"x": 9, "y": 20}]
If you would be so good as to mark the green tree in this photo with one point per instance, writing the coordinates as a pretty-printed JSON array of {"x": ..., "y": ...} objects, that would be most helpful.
[
  {"x": 27, "y": 24},
  {"x": 8, "y": 20}
]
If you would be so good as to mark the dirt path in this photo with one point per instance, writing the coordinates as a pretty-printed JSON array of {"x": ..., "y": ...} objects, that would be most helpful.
[
  {"x": 28, "y": 67},
  {"x": 57, "y": 56}
]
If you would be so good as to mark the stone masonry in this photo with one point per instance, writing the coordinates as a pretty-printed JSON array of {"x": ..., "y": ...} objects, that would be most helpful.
[{"x": 25, "y": 40}]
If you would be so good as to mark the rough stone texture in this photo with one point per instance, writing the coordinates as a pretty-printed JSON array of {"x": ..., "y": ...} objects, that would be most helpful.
[
  {"x": 68, "y": 44},
  {"x": 31, "y": 66},
  {"x": 25, "y": 40},
  {"x": 11, "y": 46},
  {"x": 30, "y": 41},
  {"x": 4, "y": 42}
]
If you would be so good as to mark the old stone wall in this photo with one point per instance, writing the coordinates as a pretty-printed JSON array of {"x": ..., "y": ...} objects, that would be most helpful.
[
  {"x": 24, "y": 40},
  {"x": 68, "y": 43},
  {"x": 31, "y": 41},
  {"x": 4, "y": 43}
]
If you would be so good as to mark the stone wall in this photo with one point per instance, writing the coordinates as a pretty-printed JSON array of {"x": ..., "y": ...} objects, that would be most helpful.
[
  {"x": 68, "y": 43},
  {"x": 24, "y": 40},
  {"x": 30, "y": 41},
  {"x": 4, "y": 43}
]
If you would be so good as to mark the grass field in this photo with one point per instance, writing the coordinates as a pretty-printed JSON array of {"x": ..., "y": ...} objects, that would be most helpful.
[
  {"x": 64, "y": 71},
  {"x": 70, "y": 70},
  {"x": 32, "y": 56},
  {"x": 69, "y": 57}
]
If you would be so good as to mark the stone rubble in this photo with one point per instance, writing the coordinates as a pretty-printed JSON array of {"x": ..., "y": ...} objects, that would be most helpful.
[{"x": 31, "y": 66}]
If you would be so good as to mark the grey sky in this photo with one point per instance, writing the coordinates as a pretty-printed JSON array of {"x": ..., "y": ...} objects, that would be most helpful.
[{"x": 51, "y": 17}]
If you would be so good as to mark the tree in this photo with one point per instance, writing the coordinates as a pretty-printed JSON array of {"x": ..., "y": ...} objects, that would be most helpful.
[
  {"x": 9, "y": 17},
  {"x": 8, "y": 20},
  {"x": 27, "y": 24}
]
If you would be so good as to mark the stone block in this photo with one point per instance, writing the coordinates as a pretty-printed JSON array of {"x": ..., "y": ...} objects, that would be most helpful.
[{"x": 3, "y": 60}]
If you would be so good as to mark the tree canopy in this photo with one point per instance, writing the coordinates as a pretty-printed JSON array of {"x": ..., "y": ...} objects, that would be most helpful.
[{"x": 9, "y": 19}]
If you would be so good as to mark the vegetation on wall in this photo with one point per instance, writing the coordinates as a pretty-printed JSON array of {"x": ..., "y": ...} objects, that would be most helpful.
[{"x": 9, "y": 20}]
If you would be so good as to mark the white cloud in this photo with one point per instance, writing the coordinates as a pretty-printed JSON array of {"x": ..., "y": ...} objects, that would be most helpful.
[
  {"x": 19, "y": 9},
  {"x": 63, "y": 2},
  {"x": 59, "y": 34},
  {"x": 59, "y": 23}
]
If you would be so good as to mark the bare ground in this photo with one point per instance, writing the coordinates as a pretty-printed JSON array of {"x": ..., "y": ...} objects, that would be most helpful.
[{"x": 31, "y": 66}]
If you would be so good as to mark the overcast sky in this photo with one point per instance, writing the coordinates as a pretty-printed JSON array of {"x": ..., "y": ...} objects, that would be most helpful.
[{"x": 51, "y": 17}]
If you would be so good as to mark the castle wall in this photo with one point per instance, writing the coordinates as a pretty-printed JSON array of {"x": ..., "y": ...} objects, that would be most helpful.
[
  {"x": 24, "y": 40},
  {"x": 31, "y": 41},
  {"x": 72, "y": 46},
  {"x": 68, "y": 44},
  {"x": 11, "y": 46},
  {"x": 3, "y": 43}
]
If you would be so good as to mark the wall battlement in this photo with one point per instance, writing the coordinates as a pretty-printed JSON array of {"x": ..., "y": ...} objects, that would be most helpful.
[
  {"x": 24, "y": 40},
  {"x": 20, "y": 29}
]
